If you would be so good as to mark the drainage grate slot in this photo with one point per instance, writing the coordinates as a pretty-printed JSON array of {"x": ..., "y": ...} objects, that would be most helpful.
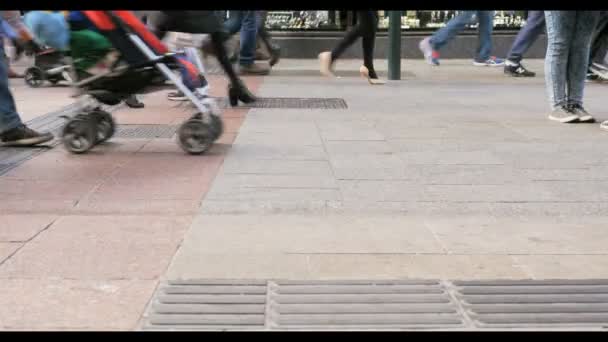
[
  {"x": 377, "y": 306},
  {"x": 290, "y": 103},
  {"x": 145, "y": 131},
  {"x": 498, "y": 304}
]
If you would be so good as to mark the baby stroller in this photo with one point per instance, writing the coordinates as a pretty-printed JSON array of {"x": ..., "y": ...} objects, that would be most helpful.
[
  {"x": 49, "y": 65},
  {"x": 144, "y": 65}
]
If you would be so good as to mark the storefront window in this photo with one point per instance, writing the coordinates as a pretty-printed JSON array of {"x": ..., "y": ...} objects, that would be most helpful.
[{"x": 410, "y": 20}]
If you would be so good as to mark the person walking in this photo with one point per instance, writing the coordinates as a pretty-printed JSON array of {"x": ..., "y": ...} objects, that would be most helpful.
[
  {"x": 248, "y": 23},
  {"x": 203, "y": 22},
  {"x": 535, "y": 25},
  {"x": 569, "y": 41},
  {"x": 430, "y": 46},
  {"x": 12, "y": 130},
  {"x": 6, "y": 32},
  {"x": 367, "y": 24},
  {"x": 598, "y": 70}
]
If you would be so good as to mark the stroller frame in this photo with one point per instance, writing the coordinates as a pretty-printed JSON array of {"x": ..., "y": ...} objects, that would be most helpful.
[{"x": 91, "y": 125}]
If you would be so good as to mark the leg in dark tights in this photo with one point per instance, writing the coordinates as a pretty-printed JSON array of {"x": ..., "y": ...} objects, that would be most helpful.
[{"x": 366, "y": 29}]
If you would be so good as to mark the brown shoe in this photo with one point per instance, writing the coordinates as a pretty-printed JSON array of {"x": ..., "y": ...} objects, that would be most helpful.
[{"x": 254, "y": 69}]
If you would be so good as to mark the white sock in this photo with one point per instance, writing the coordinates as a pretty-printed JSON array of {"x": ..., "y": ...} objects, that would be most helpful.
[{"x": 511, "y": 63}]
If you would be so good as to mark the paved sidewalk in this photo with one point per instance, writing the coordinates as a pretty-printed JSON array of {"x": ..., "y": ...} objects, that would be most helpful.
[{"x": 453, "y": 173}]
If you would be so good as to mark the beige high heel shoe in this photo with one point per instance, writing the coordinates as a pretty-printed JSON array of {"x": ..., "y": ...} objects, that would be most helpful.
[
  {"x": 365, "y": 74},
  {"x": 326, "y": 67}
]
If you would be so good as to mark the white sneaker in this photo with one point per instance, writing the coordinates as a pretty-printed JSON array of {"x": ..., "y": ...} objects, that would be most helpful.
[
  {"x": 604, "y": 125},
  {"x": 563, "y": 114}
]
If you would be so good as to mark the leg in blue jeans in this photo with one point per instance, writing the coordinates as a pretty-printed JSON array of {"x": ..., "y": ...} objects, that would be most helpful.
[
  {"x": 527, "y": 36},
  {"x": 249, "y": 33},
  {"x": 484, "y": 50},
  {"x": 453, "y": 27},
  {"x": 233, "y": 24},
  {"x": 9, "y": 118},
  {"x": 566, "y": 69},
  {"x": 586, "y": 22}
]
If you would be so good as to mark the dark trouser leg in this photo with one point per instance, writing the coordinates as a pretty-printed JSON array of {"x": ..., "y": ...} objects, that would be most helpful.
[
  {"x": 599, "y": 46},
  {"x": 369, "y": 21},
  {"x": 348, "y": 40},
  {"x": 527, "y": 36},
  {"x": 218, "y": 39}
]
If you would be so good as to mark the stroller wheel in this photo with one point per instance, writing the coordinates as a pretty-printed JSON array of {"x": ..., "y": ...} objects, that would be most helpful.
[
  {"x": 217, "y": 126},
  {"x": 79, "y": 134},
  {"x": 105, "y": 125},
  {"x": 195, "y": 137},
  {"x": 34, "y": 77}
]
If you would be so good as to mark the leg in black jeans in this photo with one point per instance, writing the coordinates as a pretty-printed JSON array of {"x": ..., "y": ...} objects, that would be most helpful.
[
  {"x": 600, "y": 41},
  {"x": 365, "y": 28}
]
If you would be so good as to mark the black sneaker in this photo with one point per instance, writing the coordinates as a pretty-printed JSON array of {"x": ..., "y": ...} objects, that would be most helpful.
[
  {"x": 518, "y": 71},
  {"x": 133, "y": 102},
  {"x": 24, "y": 136}
]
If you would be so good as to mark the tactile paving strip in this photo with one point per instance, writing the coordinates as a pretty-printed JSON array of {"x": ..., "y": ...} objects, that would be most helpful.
[
  {"x": 145, "y": 131},
  {"x": 536, "y": 303}
]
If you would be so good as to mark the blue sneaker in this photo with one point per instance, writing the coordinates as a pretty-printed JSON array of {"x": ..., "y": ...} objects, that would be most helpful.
[
  {"x": 430, "y": 55},
  {"x": 492, "y": 61}
]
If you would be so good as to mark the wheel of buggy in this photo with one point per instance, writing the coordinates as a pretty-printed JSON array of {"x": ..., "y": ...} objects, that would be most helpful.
[
  {"x": 195, "y": 137},
  {"x": 217, "y": 126},
  {"x": 105, "y": 125},
  {"x": 79, "y": 135},
  {"x": 34, "y": 77}
]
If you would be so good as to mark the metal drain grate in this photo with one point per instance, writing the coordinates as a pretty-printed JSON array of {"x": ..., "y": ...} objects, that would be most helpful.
[
  {"x": 361, "y": 305},
  {"x": 209, "y": 305},
  {"x": 290, "y": 103},
  {"x": 532, "y": 303},
  {"x": 145, "y": 131}
]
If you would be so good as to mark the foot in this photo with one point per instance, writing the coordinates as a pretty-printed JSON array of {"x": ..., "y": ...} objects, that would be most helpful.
[
  {"x": 592, "y": 77},
  {"x": 239, "y": 92},
  {"x": 517, "y": 70},
  {"x": 599, "y": 70},
  {"x": 430, "y": 55},
  {"x": 604, "y": 125},
  {"x": 24, "y": 136},
  {"x": 13, "y": 74},
  {"x": 133, "y": 102},
  {"x": 563, "y": 114},
  {"x": 492, "y": 61},
  {"x": 326, "y": 66},
  {"x": 275, "y": 56},
  {"x": 177, "y": 96},
  {"x": 254, "y": 69},
  {"x": 371, "y": 77},
  {"x": 583, "y": 115}
]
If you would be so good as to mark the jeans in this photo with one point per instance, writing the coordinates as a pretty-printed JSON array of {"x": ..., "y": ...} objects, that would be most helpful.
[
  {"x": 527, "y": 36},
  {"x": 247, "y": 22},
  {"x": 599, "y": 45},
  {"x": 569, "y": 40},
  {"x": 458, "y": 23},
  {"x": 9, "y": 118}
]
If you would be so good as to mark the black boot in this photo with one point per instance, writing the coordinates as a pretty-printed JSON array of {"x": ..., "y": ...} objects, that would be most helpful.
[
  {"x": 133, "y": 102},
  {"x": 238, "y": 92}
]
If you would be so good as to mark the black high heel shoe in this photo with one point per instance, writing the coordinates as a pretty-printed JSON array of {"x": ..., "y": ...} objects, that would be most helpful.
[{"x": 238, "y": 93}]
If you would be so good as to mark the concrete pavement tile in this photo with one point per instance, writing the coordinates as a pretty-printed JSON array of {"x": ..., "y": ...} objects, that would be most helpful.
[
  {"x": 262, "y": 151},
  {"x": 8, "y": 248},
  {"x": 275, "y": 167},
  {"x": 100, "y": 247},
  {"x": 110, "y": 206},
  {"x": 21, "y": 228},
  {"x": 259, "y": 234},
  {"x": 450, "y": 158},
  {"x": 548, "y": 210},
  {"x": 564, "y": 266},
  {"x": 272, "y": 194},
  {"x": 358, "y": 147},
  {"x": 289, "y": 137},
  {"x": 230, "y": 181},
  {"x": 67, "y": 167},
  {"x": 382, "y": 191},
  {"x": 304, "y": 206},
  {"x": 45, "y": 206},
  {"x": 401, "y": 266},
  {"x": 14, "y": 189},
  {"x": 196, "y": 264},
  {"x": 513, "y": 236},
  {"x": 51, "y": 304}
]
